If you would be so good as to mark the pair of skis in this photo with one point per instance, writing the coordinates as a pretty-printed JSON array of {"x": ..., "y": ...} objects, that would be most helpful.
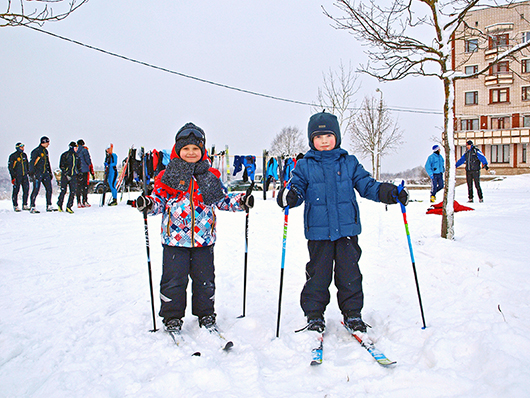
[
  {"x": 364, "y": 341},
  {"x": 178, "y": 339}
]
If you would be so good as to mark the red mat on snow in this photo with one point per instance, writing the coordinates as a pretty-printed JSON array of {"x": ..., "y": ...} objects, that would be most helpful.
[{"x": 437, "y": 208}]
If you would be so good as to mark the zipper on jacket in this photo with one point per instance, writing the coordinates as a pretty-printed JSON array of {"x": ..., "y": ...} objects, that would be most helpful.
[{"x": 192, "y": 208}]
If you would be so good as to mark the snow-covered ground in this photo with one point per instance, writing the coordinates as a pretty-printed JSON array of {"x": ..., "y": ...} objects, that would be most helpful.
[{"x": 75, "y": 309}]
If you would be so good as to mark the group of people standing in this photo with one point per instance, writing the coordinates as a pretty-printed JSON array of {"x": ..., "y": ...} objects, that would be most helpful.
[
  {"x": 473, "y": 158},
  {"x": 75, "y": 165}
]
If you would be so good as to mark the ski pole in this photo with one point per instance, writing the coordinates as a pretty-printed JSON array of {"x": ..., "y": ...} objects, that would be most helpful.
[
  {"x": 284, "y": 244},
  {"x": 146, "y": 229},
  {"x": 404, "y": 211},
  {"x": 249, "y": 192}
]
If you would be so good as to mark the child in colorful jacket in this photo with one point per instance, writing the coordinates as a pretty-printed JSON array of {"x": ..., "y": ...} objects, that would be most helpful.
[
  {"x": 325, "y": 180},
  {"x": 186, "y": 193}
]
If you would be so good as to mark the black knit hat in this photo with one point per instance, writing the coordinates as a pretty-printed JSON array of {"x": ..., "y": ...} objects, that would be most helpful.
[
  {"x": 80, "y": 142},
  {"x": 72, "y": 144},
  {"x": 190, "y": 134},
  {"x": 44, "y": 140},
  {"x": 469, "y": 142},
  {"x": 323, "y": 123},
  {"x": 19, "y": 145}
]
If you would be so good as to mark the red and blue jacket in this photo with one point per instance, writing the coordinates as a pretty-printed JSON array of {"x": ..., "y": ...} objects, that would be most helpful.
[{"x": 186, "y": 220}]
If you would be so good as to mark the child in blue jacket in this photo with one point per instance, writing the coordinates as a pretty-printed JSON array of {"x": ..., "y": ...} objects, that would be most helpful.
[{"x": 326, "y": 180}]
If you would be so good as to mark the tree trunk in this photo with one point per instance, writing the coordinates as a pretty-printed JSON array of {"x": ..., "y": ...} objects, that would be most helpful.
[{"x": 448, "y": 212}]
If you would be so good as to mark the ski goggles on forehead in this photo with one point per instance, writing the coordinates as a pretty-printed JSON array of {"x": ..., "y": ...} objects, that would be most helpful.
[{"x": 191, "y": 132}]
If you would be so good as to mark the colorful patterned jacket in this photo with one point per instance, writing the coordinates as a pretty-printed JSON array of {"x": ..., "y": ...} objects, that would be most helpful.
[{"x": 186, "y": 220}]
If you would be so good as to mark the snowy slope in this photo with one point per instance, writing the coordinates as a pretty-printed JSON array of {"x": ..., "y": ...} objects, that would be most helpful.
[{"x": 75, "y": 308}]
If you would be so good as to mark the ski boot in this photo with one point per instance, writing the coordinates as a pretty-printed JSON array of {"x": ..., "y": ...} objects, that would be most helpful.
[
  {"x": 113, "y": 203},
  {"x": 49, "y": 208},
  {"x": 173, "y": 325},
  {"x": 26, "y": 207},
  {"x": 33, "y": 210},
  {"x": 69, "y": 210},
  {"x": 17, "y": 209},
  {"x": 208, "y": 322},
  {"x": 354, "y": 322}
]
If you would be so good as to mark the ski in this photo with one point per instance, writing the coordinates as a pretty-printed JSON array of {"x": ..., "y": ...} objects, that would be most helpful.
[
  {"x": 179, "y": 341},
  {"x": 369, "y": 345},
  {"x": 318, "y": 351},
  {"x": 226, "y": 345}
]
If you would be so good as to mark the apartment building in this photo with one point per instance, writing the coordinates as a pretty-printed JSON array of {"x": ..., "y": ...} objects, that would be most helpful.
[{"x": 493, "y": 109}]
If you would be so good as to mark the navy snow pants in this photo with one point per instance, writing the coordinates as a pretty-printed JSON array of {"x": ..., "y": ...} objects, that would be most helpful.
[
  {"x": 178, "y": 263},
  {"x": 340, "y": 257}
]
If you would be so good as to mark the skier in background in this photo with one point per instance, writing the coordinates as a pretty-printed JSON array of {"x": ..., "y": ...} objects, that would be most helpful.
[
  {"x": 325, "y": 180},
  {"x": 186, "y": 193},
  {"x": 83, "y": 178},
  {"x": 473, "y": 159},
  {"x": 40, "y": 171},
  {"x": 111, "y": 173},
  {"x": 70, "y": 166},
  {"x": 435, "y": 167},
  {"x": 18, "y": 169}
]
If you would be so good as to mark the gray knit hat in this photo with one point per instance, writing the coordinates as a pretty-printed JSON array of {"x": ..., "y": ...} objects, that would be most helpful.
[{"x": 190, "y": 134}]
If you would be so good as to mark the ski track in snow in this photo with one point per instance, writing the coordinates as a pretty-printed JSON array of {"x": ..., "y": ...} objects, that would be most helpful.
[{"x": 75, "y": 312}]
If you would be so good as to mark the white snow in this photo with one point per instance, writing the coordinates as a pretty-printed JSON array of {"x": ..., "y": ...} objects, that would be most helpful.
[{"x": 75, "y": 309}]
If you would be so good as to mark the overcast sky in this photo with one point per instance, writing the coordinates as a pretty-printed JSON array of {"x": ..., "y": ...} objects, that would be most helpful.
[{"x": 280, "y": 48}]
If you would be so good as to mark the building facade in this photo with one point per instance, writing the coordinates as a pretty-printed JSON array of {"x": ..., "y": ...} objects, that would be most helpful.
[{"x": 493, "y": 108}]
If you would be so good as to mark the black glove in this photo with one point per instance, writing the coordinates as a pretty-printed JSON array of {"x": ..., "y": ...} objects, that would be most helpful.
[
  {"x": 388, "y": 193},
  {"x": 486, "y": 167},
  {"x": 287, "y": 197},
  {"x": 144, "y": 203},
  {"x": 247, "y": 202}
]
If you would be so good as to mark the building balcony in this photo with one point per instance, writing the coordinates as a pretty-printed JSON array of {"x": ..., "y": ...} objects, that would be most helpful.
[
  {"x": 493, "y": 137},
  {"x": 499, "y": 78}
]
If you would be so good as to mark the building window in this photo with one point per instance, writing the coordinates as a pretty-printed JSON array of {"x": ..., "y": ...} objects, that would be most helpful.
[
  {"x": 498, "y": 95},
  {"x": 469, "y": 124},
  {"x": 499, "y": 68},
  {"x": 525, "y": 65},
  {"x": 525, "y": 93},
  {"x": 471, "y": 70},
  {"x": 526, "y": 121},
  {"x": 499, "y": 122},
  {"x": 498, "y": 41},
  {"x": 471, "y": 46},
  {"x": 523, "y": 157},
  {"x": 472, "y": 98},
  {"x": 500, "y": 153},
  {"x": 526, "y": 37}
]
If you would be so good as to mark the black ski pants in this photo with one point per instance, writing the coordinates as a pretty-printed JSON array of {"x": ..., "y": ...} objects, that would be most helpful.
[
  {"x": 82, "y": 188},
  {"x": 473, "y": 176},
  {"x": 178, "y": 264},
  {"x": 24, "y": 183},
  {"x": 46, "y": 180},
  {"x": 340, "y": 257},
  {"x": 70, "y": 184}
]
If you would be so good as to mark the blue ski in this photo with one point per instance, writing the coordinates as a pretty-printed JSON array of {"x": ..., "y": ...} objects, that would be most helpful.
[
  {"x": 368, "y": 344},
  {"x": 318, "y": 351}
]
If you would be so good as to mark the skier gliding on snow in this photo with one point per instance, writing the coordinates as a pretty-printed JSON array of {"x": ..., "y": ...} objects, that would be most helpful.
[{"x": 325, "y": 180}]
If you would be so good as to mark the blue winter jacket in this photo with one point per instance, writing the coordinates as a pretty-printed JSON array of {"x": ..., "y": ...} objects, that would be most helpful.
[
  {"x": 325, "y": 180},
  {"x": 84, "y": 158},
  {"x": 435, "y": 164}
]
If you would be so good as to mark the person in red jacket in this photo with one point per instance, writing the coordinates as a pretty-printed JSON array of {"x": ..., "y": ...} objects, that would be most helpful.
[{"x": 186, "y": 193}]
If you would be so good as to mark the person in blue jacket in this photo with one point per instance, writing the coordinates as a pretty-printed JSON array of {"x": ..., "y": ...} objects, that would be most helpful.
[
  {"x": 435, "y": 168},
  {"x": 111, "y": 173},
  {"x": 326, "y": 180},
  {"x": 473, "y": 159}
]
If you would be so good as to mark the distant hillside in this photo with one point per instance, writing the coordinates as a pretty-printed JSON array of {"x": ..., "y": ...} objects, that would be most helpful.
[{"x": 415, "y": 176}]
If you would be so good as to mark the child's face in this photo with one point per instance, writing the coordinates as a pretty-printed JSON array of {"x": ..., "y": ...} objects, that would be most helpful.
[
  {"x": 324, "y": 142},
  {"x": 190, "y": 153}
]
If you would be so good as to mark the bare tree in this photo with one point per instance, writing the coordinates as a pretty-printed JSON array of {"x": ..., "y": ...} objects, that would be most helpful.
[
  {"x": 414, "y": 38},
  {"x": 374, "y": 134},
  {"x": 30, "y": 12},
  {"x": 288, "y": 142},
  {"x": 337, "y": 95}
]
